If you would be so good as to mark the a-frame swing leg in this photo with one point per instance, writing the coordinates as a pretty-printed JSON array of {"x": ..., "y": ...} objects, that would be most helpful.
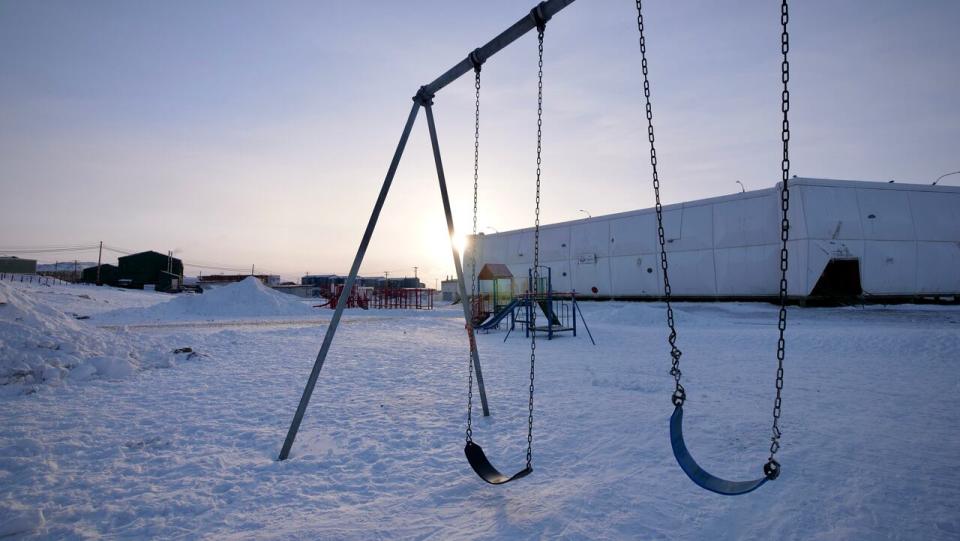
[
  {"x": 348, "y": 286},
  {"x": 461, "y": 285}
]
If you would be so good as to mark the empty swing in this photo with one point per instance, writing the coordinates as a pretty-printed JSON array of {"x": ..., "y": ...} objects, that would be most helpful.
[
  {"x": 771, "y": 468},
  {"x": 475, "y": 456}
]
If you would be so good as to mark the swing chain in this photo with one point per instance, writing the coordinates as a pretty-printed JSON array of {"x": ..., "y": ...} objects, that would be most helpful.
[
  {"x": 476, "y": 177},
  {"x": 772, "y": 468},
  {"x": 473, "y": 255},
  {"x": 679, "y": 394},
  {"x": 536, "y": 242},
  {"x": 476, "y": 155}
]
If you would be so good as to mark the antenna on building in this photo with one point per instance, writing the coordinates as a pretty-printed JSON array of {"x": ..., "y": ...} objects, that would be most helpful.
[{"x": 742, "y": 189}]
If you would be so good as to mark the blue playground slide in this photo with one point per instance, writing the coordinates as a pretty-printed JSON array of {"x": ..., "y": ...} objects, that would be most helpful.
[
  {"x": 554, "y": 320},
  {"x": 495, "y": 319}
]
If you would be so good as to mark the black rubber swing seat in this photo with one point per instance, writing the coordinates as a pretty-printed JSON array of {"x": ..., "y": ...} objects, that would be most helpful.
[
  {"x": 697, "y": 474},
  {"x": 478, "y": 461}
]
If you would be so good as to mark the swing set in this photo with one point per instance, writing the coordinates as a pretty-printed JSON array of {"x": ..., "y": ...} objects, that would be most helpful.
[{"x": 477, "y": 458}]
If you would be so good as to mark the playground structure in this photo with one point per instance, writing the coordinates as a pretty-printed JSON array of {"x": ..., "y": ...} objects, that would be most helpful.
[
  {"x": 496, "y": 307},
  {"x": 494, "y": 292},
  {"x": 403, "y": 298},
  {"x": 358, "y": 297},
  {"x": 561, "y": 309}
]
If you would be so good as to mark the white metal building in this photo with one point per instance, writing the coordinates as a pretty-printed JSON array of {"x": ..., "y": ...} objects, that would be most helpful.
[
  {"x": 448, "y": 288},
  {"x": 872, "y": 238}
]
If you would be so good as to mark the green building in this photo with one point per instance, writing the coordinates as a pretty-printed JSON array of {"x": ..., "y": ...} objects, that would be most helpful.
[
  {"x": 16, "y": 265},
  {"x": 150, "y": 268},
  {"x": 109, "y": 274}
]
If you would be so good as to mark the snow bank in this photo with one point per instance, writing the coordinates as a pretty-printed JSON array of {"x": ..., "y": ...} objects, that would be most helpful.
[
  {"x": 40, "y": 344},
  {"x": 249, "y": 298}
]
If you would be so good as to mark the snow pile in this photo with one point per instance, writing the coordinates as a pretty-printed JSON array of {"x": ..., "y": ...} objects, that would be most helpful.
[
  {"x": 40, "y": 344},
  {"x": 248, "y": 298}
]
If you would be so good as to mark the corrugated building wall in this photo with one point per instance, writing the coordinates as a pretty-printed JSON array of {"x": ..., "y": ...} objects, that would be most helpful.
[{"x": 903, "y": 240}]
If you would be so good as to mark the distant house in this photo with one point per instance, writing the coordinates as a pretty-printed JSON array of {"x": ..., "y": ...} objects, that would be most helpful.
[
  {"x": 109, "y": 274},
  {"x": 150, "y": 268},
  {"x": 16, "y": 265}
]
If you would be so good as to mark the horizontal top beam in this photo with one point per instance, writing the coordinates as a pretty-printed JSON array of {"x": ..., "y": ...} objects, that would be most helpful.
[{"x": 508, "y": 36}]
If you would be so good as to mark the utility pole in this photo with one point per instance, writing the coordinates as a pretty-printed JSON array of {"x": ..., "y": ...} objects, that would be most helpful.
[{"x": 99, "y": 259}]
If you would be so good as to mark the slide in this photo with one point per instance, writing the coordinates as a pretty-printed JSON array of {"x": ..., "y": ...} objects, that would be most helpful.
[
  {"x": 554, "y": 320},
  {"x": 495, "y": 319}
]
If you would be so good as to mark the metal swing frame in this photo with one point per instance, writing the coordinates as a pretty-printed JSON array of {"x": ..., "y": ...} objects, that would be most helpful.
[{"x": 422, "y": 99}]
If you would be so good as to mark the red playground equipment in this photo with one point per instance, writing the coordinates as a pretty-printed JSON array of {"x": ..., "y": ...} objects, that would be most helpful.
[
  {"x": 358, "y": 296},
  {"x": 402, "y": 298}
]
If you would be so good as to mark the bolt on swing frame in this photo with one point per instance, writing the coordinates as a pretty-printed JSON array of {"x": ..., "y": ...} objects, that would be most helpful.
[{"x": 423, "y": 98}]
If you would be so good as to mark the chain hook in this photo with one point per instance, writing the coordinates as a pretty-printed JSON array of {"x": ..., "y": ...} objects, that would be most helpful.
[
  {"x": 679, "y": 396},
  {"x": 771, "y": 469},
  {"x": 476, "y": 59},
  {"x": 540, "y": 17}
]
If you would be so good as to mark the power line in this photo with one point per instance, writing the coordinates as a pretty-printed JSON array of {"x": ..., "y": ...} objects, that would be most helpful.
[
  {"x": 124, "y": 251},
  {"x": 48, "y": 250},
  {"x": 62, "y": 248},
  {"x": 53, "y": 246},
  {"x": 214, "y": 267},
  {"x": 197, "y": 265}
]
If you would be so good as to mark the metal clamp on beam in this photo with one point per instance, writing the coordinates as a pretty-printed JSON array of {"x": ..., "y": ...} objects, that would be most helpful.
[
  {"x": 476, "y": 58},
  {"x": 424, "y": 97},
  {"x": 539, "y": 17}
]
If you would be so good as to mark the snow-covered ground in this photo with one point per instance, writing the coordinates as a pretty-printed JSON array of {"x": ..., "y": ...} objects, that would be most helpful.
[{"x": 187, "y": 449}]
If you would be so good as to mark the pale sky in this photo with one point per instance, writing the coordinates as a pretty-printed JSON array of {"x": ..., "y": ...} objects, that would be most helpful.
[{"x": 241, "y": 133}]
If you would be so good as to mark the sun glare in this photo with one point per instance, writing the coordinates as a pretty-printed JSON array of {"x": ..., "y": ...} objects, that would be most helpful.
[{"x": 460, "y": 241}]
